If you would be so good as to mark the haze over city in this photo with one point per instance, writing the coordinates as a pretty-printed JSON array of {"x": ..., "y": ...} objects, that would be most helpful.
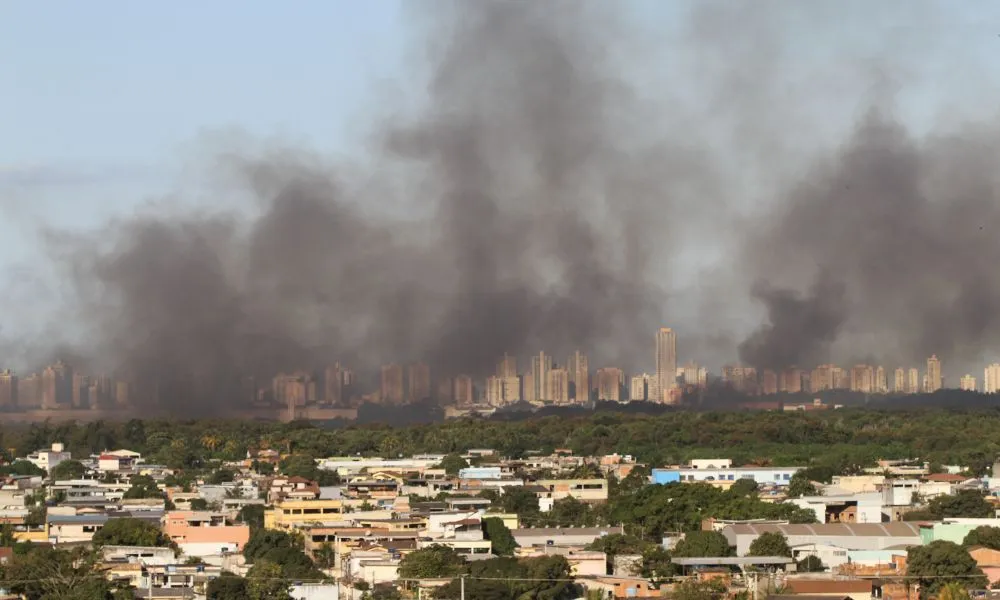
[{"x": 783, "y": 184}]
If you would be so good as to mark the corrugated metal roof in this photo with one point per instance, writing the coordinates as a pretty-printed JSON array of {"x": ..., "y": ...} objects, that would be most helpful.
[{"x": 897, "y": 529}]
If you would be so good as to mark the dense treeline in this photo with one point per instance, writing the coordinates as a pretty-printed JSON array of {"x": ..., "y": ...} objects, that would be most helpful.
[{"x": 840, "y": 439}]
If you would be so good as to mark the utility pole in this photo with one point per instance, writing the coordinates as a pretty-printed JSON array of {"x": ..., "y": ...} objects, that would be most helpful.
[{"x": 462, "y": 586}]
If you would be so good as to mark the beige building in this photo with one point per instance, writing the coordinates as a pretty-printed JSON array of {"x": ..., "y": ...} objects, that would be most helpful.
[
  {"x": 791, "y": 381},
  {"x": 899, "y": 383},
  {"x": 913, "y": 381},
  {"x": 8, "y": 388},
  {"x": 540, "y": 366},
  {"x": 637, "y": 387},
  {"x": 934, "y": 381},
  {"x": 862, "y": 379},
  {"x": 418, "y": 379},
  {"x": 991, "y": 379},
  {"x": 609, "y": 381},
  {"x": 578, "y": 370},
  {"x": 507, "y": 367},
  {"x": 557, "y": 385},
  {"x": 463, "y": 390},
  {"x": 391, "y": 384},
  {"x": 967, "y": 383},
  {"x": 666, "y": 363}
]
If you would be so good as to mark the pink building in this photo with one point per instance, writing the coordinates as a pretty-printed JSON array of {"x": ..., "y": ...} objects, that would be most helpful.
[{"x": 203, "y": 533}]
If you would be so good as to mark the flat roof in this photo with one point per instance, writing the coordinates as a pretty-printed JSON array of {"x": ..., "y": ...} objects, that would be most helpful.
[{"x": 732, "y": 560}]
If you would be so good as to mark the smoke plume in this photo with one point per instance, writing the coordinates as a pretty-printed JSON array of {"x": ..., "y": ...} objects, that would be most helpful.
[{"x": 552, "y": 192}]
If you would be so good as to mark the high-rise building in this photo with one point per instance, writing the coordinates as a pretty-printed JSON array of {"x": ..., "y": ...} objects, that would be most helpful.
[
  {"x": 899, "y": 381},
  {"x": 391, "y": 384},
  {"x": 841, "y": 378},
  {"x": 557, "y": 385},
  {"x": 578, "y": 370},
  {"x": 463, "y": 390},
  {"x": 666, "y": 362},
  {"x": 29, "y": 391},
  {"x": 81, "y": 387},
  {"x": 933, "y": 374},
  {"x": 123, "y": 393},
  {"x": 540, "y": 366},
  {"x": 507, "y": 367},
  {"x": 821, "y": 378},
  {"x": 862, "y": 379},
  {"x": 528, "y": 388},
  {"x": 494, "y": 390},
  {"x": 609, "y": 382},
  {"x": 741, "y": 379},
  {"x": 291, "y": 389},
  {"x": 881, "y": 381},
  {"x": 333, "y": 385},
  {"x": 691, "y": 374},
  {"x": 512, "y": 389},
  {"x": 769, "y": 382},
  {"x": 57, "y": 386},
  {"x": 967, "y": 383},
  {"x": 913, "y": 381},
  {"x": 991, "y": 379},
  {"x": 8, "y": 389},
  {"x": 791, "y": 381},
  {"x": 418, "y": 378},
  {"x": 637, "y": 387}
]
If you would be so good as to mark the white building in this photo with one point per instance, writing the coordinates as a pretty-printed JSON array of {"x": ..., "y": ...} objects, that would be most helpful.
[
  {"x": 48, "y": 459},
  {"x": 991, "y": 379}
]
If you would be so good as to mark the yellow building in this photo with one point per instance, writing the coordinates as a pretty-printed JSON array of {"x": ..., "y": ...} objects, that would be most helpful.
[{"x": 292, "y": 514}]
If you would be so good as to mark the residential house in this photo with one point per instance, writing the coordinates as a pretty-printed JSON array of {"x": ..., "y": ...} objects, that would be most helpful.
[
  {"x": 291, "y": 514},
  {"x": 779, "y": 476},
  {"x": 48, "y": 459},
  {"x": 584, "y": 490},
  {"x": 292, "y": 488},
  {"x": 205, "y": 533},
  {"x": 846, "y": 508}
]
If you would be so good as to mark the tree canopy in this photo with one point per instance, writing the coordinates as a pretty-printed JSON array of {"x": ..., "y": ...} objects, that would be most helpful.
[
  {"x": 501, "y": 540},
  {"x": 703, "y": 543},
  {"x": 966, "y": 503},
  {"x": 453, "y": 463},
  {"x": 986, "y": 536},
  {"x": 940, "y": 563},
  {"x": 431, "y": 562},
  {"x": 770, "y": 543},
  {"x": 130, "y": 532},
  {"x": 68, "y": 469}
]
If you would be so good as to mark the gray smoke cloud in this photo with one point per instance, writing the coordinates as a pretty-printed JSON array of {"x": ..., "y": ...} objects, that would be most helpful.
[
  {"x": 553, "y": 192},
  {"x": 899, "y": 234}
]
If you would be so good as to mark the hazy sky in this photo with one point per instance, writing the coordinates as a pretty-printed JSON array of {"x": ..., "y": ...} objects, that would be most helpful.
[{"x": 107, "y": 105}]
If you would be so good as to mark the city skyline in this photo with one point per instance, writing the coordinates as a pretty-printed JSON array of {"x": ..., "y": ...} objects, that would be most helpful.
[{"x": 542, "y": 381}]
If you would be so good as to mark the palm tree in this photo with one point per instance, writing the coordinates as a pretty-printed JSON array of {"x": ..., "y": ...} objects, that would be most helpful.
[
  {"x": 325, "y": 556},
  {"x": 953, "y": 591}
]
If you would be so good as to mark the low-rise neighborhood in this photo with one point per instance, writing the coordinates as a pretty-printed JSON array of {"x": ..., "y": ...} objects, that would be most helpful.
[{"x": 361, "y": 524}]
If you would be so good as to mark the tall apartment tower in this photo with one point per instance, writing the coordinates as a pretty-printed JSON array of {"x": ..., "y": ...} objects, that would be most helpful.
[
  {"x": 967, "y": 383},
  {"x": 666, "y": 363},
  {"x": 418, "y": 378},
  {"x": 991, "y": 379},
  {"x": 540, "y": 366},
  {"x": 899, "y": 383},
  {"x": 933, "y": 374},
  {"x": 463, "y": 390},
  {"x": 637, "y": 387},
  {"x": 557, "y": 385},
  {"x": 333, "y": 385},
  {"x": 391, "y": 384},
  {"x": 578, "y": 370},
  {"x": 507, "y": 367},
  {"x": 609, "y": 382},
  {"x": 913, "y": 381},
  {"x": 8, "y": 389}
]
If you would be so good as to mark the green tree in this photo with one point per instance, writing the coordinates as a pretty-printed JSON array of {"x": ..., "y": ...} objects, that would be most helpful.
[
  {"x": 966, "y": 503},
  {"x": 617, "y": 543},
  {"x": 983, "y": 536},
  {"x": 501, "y": 540},
  {"x": 519, "y": 501},
  {"x": 452, "y": 464},
  {"x": 939, "y": 563},
  {"x": 385, "y": 591},
  {"x": 770, "y": 543},
  {"x": 68, "y": 469},
  {"x": 655, "y": 564},
  {"x": 304, "y": 465},
  {"x": 48, "y": 573},
  {"x": 143, "y": 486},
  {"x": 263, "y": 541},
  {"x": 199, "y": 504},
  {"x": 431, "y": 562},
  {"x": 252, "y": 515},
  {"x": 325, "y": 556},
  {"x": 800, "y": 486},
  {"x": 810, "y": 564},
  {"x": 699, "y": 590},
  {"x": 130, "y": 532},
  {"x": 703, "y": 543},
  {"x": 227, "y": 586},
  {"x": 265, "y": 582},
  {"x": 23, "y": 468},
  {"x": 953, "y": 591},
  {"x": 744, "y": 487},
  {"x": 220, "y": 476}
]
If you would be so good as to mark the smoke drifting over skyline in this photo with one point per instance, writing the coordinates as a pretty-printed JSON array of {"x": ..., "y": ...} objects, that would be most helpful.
[{"x": 546, "y": 196}]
